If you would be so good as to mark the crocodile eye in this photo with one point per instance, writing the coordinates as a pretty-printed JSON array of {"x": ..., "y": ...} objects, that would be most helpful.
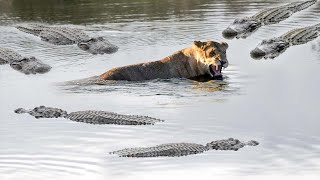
[
  {"x": 23, "y": 60},
  {"x": 253, "y": 27},
  {"x": 280, "y": 47},
  {"x": 84, "y": 46},
  {"x": 92, "y": 40},
  {"x": 100, "y": 38},
  {"x": 16, "y": 66}
]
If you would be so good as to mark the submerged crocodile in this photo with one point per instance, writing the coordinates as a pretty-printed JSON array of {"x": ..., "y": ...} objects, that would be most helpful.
[
  {"x": 69, "y": 36},
  {"x": 91, "y": 117},
  {"x": 244, "y": 27},
  {"x": 184, "y": 149},
  {"x": 26, "y": 65},
  {"x": 273, "y": 47}
]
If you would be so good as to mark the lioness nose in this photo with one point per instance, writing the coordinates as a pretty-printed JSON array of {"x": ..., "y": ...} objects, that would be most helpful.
[
  {"x": 229, "y": 33},
  {"x": 224, "y": 64},
  {"x": 257, "y": 53}
]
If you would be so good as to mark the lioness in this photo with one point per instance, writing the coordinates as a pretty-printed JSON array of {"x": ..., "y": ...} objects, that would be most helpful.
[{"x": 203, "y": 58}]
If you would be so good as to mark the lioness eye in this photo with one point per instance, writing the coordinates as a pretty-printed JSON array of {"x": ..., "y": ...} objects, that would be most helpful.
[{"x": 212, "y": 53}]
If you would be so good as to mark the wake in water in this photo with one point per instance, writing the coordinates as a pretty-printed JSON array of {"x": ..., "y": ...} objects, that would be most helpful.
[{"x": 175, "y": 87}]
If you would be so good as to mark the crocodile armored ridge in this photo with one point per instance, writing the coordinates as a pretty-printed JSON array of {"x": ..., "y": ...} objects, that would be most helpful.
[
  {"x": 26, "y": 65},
  {"x": 184, "y": 149},
  {"x": 69, "y": 36},
  {"x": 91, "y": 117},
  {"x": 273, "y": 47},
  {"x": 244, "y": 27}
]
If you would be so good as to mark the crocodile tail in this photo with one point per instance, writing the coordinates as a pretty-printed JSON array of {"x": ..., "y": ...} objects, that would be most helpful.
[{"x": 301, "y": 5}]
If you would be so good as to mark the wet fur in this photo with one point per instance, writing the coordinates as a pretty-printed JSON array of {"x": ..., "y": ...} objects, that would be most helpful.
[{"x": 186, "y": 63}]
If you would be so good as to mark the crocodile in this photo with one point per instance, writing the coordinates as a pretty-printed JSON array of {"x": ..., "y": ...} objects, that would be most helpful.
[
  {"x": 184, "y": 149},
  {"x": 89, "y": 116},
  {"x": 69, "y": 36},
  {"x": 244, "y": 27},
  {"x": 26, "y": 65},
  {"x": 273, "y": 47}
]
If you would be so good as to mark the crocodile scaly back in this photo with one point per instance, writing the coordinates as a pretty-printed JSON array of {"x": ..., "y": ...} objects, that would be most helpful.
[
  {"x": 301, "y": 35},
  {"x": 104, "y": 117},
  {"x": 170, "y": 150},
  {"x": 90, "y": 117},
  {"x": 277, "y": 14}
]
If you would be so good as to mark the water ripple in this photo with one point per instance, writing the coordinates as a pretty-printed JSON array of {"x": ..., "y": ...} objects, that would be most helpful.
[{"x": 274, "y": 102}]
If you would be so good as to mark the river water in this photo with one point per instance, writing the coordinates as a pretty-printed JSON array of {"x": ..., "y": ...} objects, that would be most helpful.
[{"x": 275, "y": 102}]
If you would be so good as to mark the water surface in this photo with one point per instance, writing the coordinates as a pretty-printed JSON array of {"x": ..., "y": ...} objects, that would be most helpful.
[{"x": 274, "y": 102}]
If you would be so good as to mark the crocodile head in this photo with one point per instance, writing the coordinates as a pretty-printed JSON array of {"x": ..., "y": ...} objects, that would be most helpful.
[
  {"x": 241, "y": 28},
  {"x": 30, "y": 65},
  {"x": 270, "y": 48},
  {"x": 98, "y": 46}
]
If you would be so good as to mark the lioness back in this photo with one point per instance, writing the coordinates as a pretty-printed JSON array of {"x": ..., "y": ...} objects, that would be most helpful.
[{"x": 166, "y": 68}]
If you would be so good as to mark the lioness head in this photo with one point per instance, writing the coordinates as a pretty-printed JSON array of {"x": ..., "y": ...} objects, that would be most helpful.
[{"x": 212, "y": 55}]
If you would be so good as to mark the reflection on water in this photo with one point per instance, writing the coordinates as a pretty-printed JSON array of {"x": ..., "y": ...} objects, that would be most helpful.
[
  {"x": 274, "y": 102},
  {"x": 100, "y": 11},
  {"x": 160, "y": 87}
]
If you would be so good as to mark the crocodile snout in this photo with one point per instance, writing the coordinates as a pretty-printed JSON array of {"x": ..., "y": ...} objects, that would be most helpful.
[
  {"x": 111, "y": 49},
  {"x": 43, "y": 69},
  {"x": 229, "y": 33},
  {"x": 257, "y": 53}
]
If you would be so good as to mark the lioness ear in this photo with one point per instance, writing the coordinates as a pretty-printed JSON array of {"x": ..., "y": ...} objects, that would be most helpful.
[
  {"x": 225, "y": 45},
  {"x": 199, "y": 44}
]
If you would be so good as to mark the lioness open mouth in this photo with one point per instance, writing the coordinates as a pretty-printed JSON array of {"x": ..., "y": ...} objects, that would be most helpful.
[{"x": 215, "y": 71}]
